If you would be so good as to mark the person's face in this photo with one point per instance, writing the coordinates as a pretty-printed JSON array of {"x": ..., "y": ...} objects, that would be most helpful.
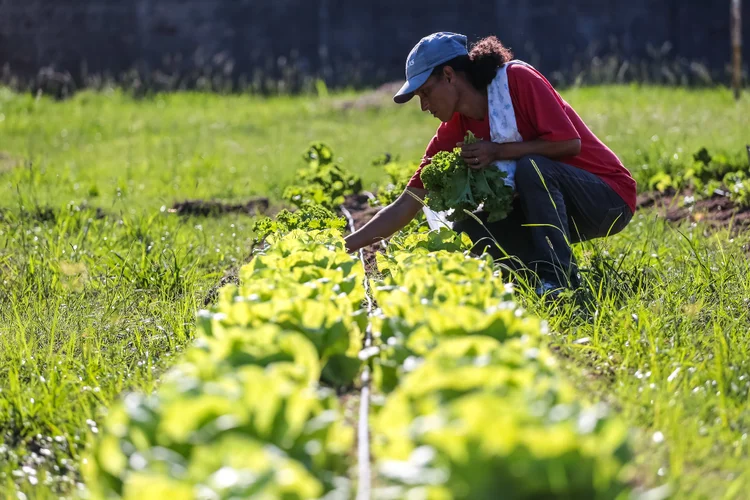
[{"x": 438, "y": 95}]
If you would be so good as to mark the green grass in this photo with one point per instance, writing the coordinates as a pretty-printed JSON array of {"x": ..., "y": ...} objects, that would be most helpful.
[
  {"x": 666, "y": 342},
  {"x": 94, "y": 303},
  {"x": 116, "y": 152}
]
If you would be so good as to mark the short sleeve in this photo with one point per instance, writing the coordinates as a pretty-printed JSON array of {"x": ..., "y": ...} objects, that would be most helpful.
[{"x": 540, "y": 105}]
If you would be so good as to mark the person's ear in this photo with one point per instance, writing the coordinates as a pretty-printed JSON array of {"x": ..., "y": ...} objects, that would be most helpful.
[{"x": 449, "y": 74}]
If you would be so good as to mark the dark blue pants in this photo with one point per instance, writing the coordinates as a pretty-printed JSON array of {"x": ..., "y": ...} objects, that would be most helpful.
[{"x": 565, "y": 205}]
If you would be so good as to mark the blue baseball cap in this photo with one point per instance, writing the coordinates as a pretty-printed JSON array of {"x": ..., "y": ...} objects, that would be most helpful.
[{"x": 431, "y": 51}]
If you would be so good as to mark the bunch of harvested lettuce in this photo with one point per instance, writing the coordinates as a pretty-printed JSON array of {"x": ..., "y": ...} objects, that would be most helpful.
[{"x": 453, "y": 185}]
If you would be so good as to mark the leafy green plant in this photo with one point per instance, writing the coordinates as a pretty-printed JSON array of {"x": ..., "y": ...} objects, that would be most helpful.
[
  {"x": 478, "y": 416},
  {"x": 661, "y": 182},
  {"x": 398, "y": 174},
  {"x": 426, "y": 241},
  {"x": 452, "y": 185},
  {"x": 309, "y": 217},
  {"x": 307, "y": 282},
  {"x": 323, "y": 182},
  {"x": 425, "y": 297},
  {"x": 738, "y": 186}
]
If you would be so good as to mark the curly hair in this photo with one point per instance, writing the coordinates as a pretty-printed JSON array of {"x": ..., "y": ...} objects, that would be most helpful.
[{"x": 480, "y": 66}]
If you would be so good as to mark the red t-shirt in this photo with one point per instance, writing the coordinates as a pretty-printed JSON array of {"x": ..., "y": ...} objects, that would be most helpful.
[{"x": 541, "y": 113}]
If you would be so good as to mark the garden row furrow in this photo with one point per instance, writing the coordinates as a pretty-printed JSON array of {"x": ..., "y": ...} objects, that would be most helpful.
[{"x": 364, "y": 475}]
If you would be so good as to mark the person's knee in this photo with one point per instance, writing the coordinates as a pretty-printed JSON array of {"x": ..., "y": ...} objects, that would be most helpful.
[{"x": 530, "y": 171}]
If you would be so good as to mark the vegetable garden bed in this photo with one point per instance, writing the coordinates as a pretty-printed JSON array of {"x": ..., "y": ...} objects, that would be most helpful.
[{"x": 467, "y": 399}]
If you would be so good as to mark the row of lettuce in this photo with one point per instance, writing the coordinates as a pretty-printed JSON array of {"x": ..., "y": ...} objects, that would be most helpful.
[
  {"x": 251, "y": 411},
  {"x": 469, "y": 401},
  {"x": 475, "y": 405}
]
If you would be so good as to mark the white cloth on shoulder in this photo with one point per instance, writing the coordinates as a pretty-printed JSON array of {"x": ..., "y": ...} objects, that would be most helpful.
[{"x": 503, "y": 126}]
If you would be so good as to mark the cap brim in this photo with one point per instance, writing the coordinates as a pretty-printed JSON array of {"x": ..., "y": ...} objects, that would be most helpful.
[{"x": 412, "y": 84}]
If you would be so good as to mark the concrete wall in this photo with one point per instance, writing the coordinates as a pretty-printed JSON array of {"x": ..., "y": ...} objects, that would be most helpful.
[{"x": 344, "y": 41}]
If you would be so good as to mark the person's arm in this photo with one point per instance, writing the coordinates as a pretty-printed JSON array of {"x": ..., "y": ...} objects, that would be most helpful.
[
  {"x": 389, "y": 220},
  {"x": 399, "y": 213},
  {"x": 483, "y": 153},
  {"x": 550, "y": 149}
]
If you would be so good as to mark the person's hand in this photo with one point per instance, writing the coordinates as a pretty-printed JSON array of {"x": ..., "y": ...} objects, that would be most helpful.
[{"x": 478, "y": 155}]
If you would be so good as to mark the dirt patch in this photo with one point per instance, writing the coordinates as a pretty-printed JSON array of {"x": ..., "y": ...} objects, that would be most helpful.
[
  {"x": 359, "y": 206},
  {"x": 206, "y": 208},
  {"x": 653, "y": 198},
  {"x": 718, "y": 211}
]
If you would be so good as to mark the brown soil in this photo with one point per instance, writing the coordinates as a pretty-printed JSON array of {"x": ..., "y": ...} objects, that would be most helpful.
[
  {"x": 717, "y": 212},
  {"x": 205, "y": 208}
]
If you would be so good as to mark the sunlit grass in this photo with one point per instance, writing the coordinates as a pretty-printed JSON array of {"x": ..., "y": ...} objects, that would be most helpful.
[
  {"x": 101, "y": 283},
  {"x": 662, "y": 334}
]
